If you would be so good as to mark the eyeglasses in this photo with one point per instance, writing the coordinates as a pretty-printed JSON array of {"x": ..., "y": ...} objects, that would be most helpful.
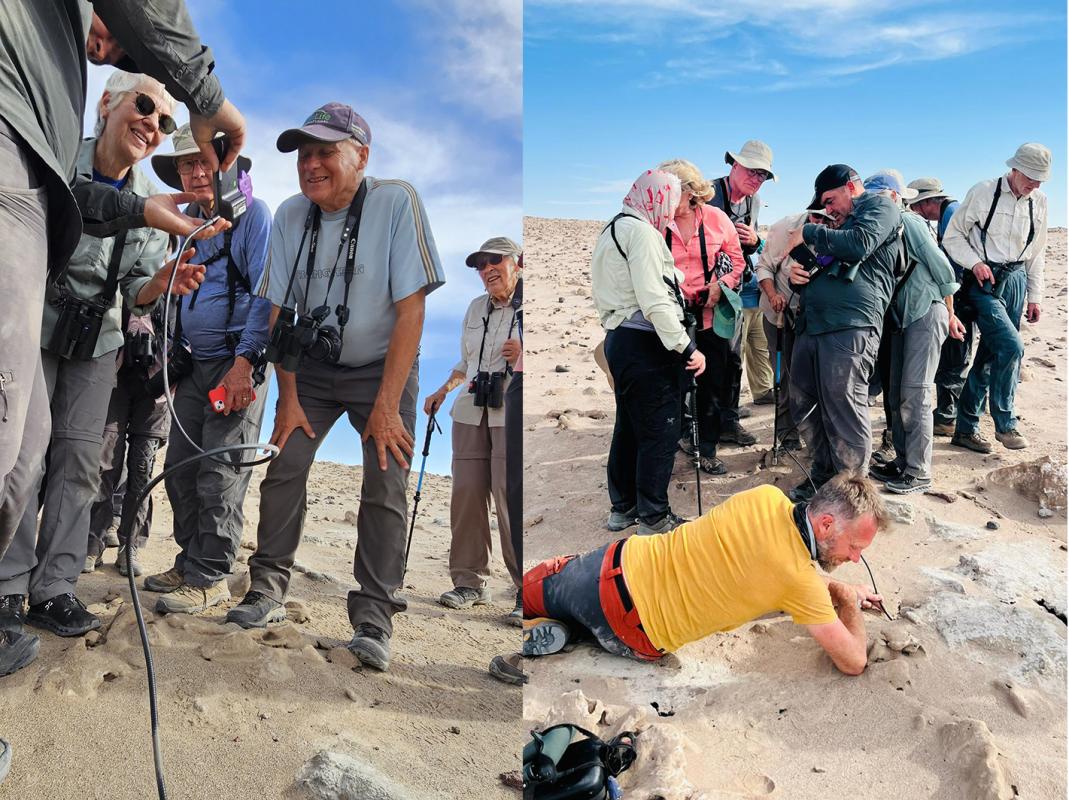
[
  {"x": 763, "y": 174},
  {"x": 145, "y": 106},
  {"x": 187, "y": 166},
  {"x": 483, "y": 259}
]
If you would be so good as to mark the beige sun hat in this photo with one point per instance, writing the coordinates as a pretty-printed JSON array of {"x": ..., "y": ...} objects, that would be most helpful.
[
  {"x": 166, "y": 164},
  {"x": 926, "y": 189},
  {"x": 755, "y": 154},
  {"x": 1033, "y": 160},
  {"x": 498, "y": 245}
]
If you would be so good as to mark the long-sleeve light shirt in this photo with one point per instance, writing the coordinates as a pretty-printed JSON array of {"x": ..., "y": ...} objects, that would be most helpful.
[
  {"x": 931, "y": 280},
  {"x": 1007, "y": 235},
  {"x": 720, "y": 236},
  {"x": 487, "y": 325},
  {"x": 621, "y": 286},
  {"x": 775, "y": 264}
]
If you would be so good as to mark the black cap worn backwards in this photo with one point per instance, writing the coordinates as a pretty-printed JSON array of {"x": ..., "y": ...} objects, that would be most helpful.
[{"x": 831, "y": 177}]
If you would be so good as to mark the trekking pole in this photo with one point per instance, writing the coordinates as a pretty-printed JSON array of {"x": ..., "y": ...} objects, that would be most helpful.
[
  {"x": 775, "y": 394},
  {"x": 431, "y": 425},
  {"x": 695, "y": 439}
]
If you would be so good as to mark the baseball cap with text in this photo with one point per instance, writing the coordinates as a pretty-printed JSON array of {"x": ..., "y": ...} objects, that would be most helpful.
[{"x": 333, "y": 122}]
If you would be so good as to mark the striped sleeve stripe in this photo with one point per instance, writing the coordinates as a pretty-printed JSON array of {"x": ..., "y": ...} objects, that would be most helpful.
[{"x": 421, "y": 235}]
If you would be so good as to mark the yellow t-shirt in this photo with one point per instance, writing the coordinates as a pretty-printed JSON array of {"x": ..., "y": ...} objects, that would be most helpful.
[{"x": 741, "y": 560}]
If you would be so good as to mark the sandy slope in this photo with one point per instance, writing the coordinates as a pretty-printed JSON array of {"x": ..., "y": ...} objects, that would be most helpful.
[
  {"x": 242, "y": 711},
  {"x": 965, "y": 693}
]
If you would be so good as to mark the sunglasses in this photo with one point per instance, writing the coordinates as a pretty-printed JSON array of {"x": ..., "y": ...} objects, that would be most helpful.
[
  {"x": 763, "y": 174},
  {"x": 483, "y": 259},
  {"x": 145, "y": 106}
]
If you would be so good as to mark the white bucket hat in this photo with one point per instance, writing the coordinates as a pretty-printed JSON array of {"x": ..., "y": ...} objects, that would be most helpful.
[
  {"x": 926, "y": 189},
  {"x": 755, "y": 154},
  {"x": 1032, "y": 159},
  {"x": 166, "y": 164}
]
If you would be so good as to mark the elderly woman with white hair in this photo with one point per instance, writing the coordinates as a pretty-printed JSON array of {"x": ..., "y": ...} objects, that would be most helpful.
[
  {"x": 81, "y": 332},
  {"x": 636, "y": 289},
  {"x": 490, "y": 349}
]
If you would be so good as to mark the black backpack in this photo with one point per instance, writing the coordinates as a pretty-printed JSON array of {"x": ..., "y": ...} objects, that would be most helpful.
[{"x": 556, "y": 768}]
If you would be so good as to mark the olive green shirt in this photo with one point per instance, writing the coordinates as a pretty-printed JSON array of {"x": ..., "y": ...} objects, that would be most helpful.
[
  {"x": 931, "y": 280},
  {"x": 144, "y": 252}
]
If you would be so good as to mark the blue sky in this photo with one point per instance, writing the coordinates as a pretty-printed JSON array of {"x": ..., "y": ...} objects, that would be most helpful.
[
  {"x": 948, "y": 89},
  {"x": 439, "y": 82}
]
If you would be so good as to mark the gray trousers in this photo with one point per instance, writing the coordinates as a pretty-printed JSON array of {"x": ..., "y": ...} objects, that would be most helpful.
[
  {"x": 832, "y": 371},
  {"x": 785, "y": 334},
  {"x": 914, "y": 360},
  {"x": 325, "y": 393},
  {"x": 207, "y": 496},
  {"x": 479, "y": 467},
  {"x": 23, "y": 272},
  {"x": 47, "y": 563}
]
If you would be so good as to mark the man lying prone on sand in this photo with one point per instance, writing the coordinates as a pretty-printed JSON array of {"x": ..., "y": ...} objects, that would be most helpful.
[{"x": 648, "y": 595}]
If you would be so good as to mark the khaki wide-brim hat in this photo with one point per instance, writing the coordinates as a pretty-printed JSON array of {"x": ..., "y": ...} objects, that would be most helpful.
[
  {"x": 755, "y": 154},
  {"x": 1033, "y": 160},
  {"x": 166, "y": 165},
  {"x": 926, "y": 189}
]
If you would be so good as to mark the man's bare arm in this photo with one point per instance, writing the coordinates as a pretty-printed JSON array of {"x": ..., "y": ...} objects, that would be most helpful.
[{"x": 844, "y": 640}]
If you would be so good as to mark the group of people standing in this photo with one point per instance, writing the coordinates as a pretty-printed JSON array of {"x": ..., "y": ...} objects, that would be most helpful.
[{"x": 854, "y": 295}]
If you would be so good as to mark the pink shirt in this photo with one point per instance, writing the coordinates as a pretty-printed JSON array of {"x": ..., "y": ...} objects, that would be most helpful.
[{"x": 720, "y": 236}]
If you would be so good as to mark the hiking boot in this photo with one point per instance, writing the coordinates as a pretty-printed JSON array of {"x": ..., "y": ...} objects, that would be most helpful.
[
  {"x": 908, "y": 484},
  {"x": 744, "y": 412},
  {"x": 515, "y": 617},
  {"x": 92, "y": 563},
  {"x": 164, "y": 582},
  {"x": 1012, "y": 439},
  {"x": 543, "y": 636},
  {"x": 669, "y": 522},
  {"x": 371, "y": 645},
  {"x": 64, "y": 615},
  {"x": 256, "y": 610},
  {"x": 886, "y": 453},
  {"x": 802, "y": 493},
  {"x": 767, "y": 399},
  {"x": 687, "y": 447},
  {"x": 971, "y": 441},
  {"x": 17, "y": 649},
  {"x": 883, "y": 473},
  {"x": 712, "y": 466},
  {"x": 111, "y": 537},
  {"x": 943, "y": 428},
  {"x": 189, "y": 599},
  {"x": 622, "y": 520},
  {"x": 12, "y": 612},
  {"x": 508, "y": 669},
  {"x": 120, "y": 561},
  {"x": 734, "y": 432},
  {"x": 465, "y": 597}
]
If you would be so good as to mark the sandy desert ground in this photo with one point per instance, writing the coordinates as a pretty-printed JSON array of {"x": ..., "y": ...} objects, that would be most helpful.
[
  {"x": 965, "y": 694},
  {"x": 243, "y": 712}
]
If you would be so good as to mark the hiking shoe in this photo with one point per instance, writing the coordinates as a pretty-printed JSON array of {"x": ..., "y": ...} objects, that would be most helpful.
[
  {"x": 465, "y": 597},
  {"x": 515, "y": 617},
  {"x": 17, "y": 649},
  {"x": 508, "y": 669},
  {"x": 164, "y": 582},
  {"x": 120, "y": 561},
  {"x": 189, "y": 599},
  {"x": 622, "y": 520},
  {"x": 792, "y": 443},
  {"x": 5, "y": 759},
  {"x": 766, "y": 399},
  {"x": 543, "y": 636},
  {"x": 744, "y": 412},
  {"x": 669, "y": 522},
  {"x": 712, "y": 466},
  {"x": 1012, "y": 439},
  {"x": 886, "y": 452},
  {"x": 734, "y": 432},
  {"x": 111, "y": 537},
  {"x": 92, "y": 562},
  {"x": 686, "y": 446},
  {"x": 883, "y": 473},
  {"x": 908, "y": 484},
  {"x": 64, "y": 615},
  {"x": 802, "y": 493},
  {"x": 943, "y": 428},
  {"x": 12, "y": 612},
  {"x": 256, "y": 610},
  {"x": 371, "y": 645},
  {"x": 971, "y": 441}
]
